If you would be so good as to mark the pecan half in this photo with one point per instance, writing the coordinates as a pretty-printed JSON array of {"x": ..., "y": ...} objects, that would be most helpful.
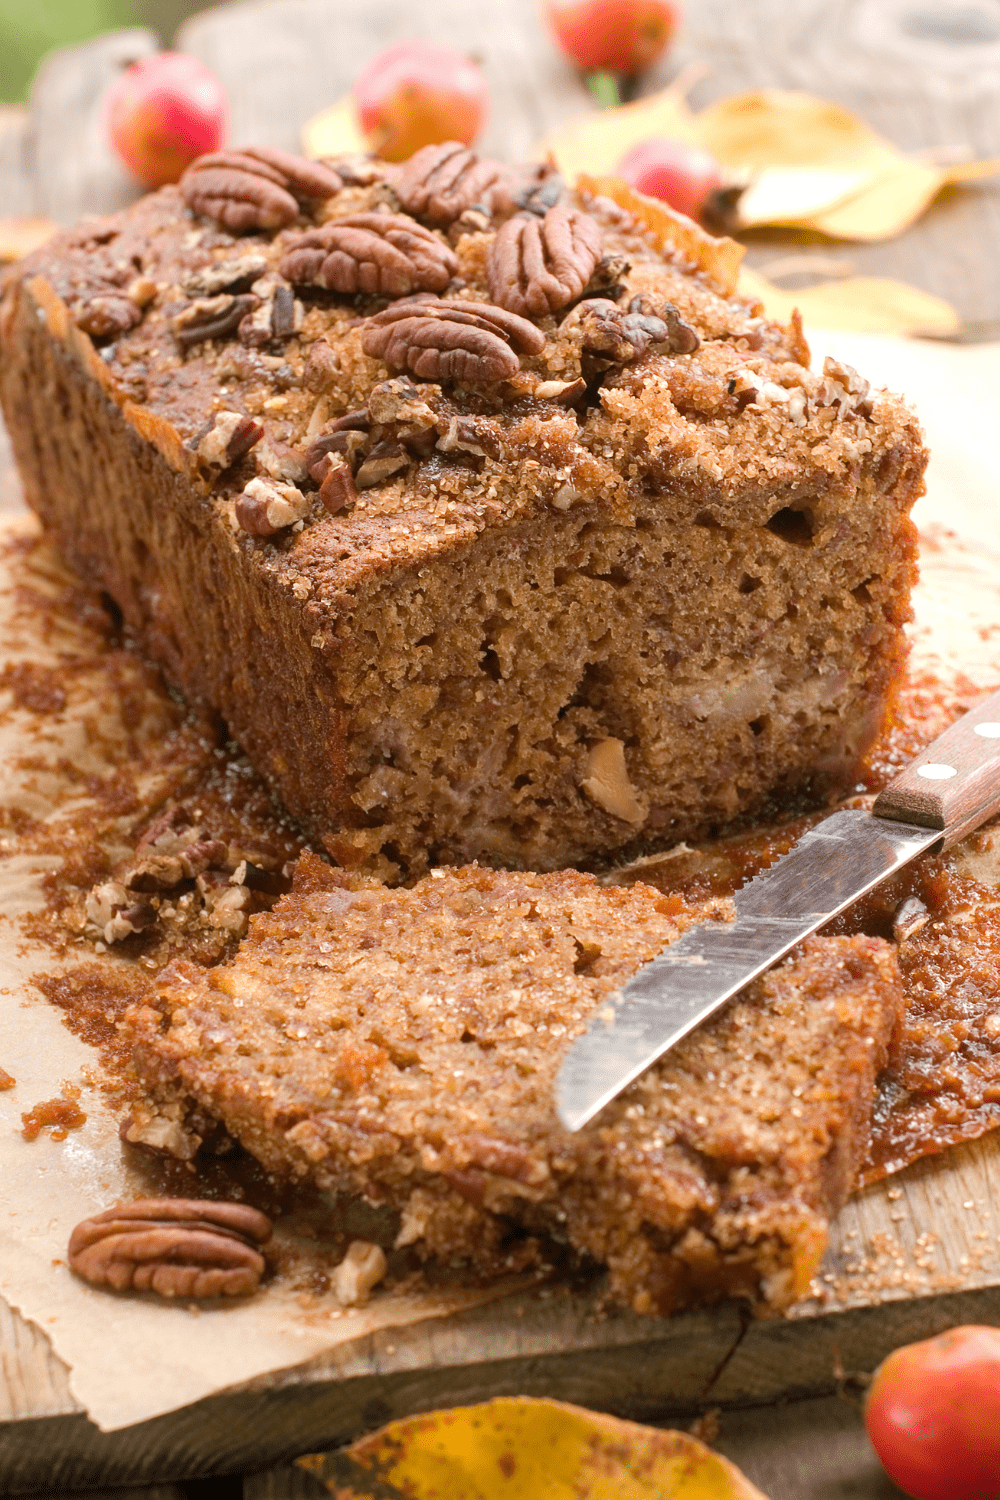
[
  {"x": 264, "y": 508},
  {"x": 178, "y": 1247},
  {"x": 612, "y": 333},
  {"x": 538, "y": 266},
  {"x": 106, "y": 314},
  {"x": 211, "y": 318},
  {"x": 258, "y": 187},
  {"x": 384, "y": 255},
  {"x": 450, "y": 341},
  {"x": 230, "y": 437},
  {"x": 439, "y": 183}
]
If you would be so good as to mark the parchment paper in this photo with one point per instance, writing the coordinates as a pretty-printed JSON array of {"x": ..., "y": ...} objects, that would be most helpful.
[{"x": 134, "y": 1360}]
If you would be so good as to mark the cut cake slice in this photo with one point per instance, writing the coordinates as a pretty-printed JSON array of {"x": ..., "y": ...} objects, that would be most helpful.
[{"x": 401, "y": 1045}]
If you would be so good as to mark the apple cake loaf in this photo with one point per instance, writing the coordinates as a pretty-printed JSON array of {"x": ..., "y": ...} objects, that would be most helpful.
[
  {"x": 401, "y": 1044},
  {"x": 491, "y": 519}
]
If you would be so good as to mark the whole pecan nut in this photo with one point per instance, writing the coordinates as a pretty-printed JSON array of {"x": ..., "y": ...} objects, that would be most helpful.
[
  {"x": 538, "y": 266},
  {"x": 257, "y": 187},
  {"x": 472, "y": 342},
  {"x": 439, "y": 183},
  {"x": 384, "y": 255},
  {"x": 178, "y": 1247}
]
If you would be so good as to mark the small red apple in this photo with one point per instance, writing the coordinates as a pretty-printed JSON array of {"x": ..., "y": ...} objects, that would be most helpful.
[
  {"x": 418, "y": 94},
  {"x": 614, "y": 36},
  {"x": 681, "y": 175},
  {"x": 933, "y": 1415},
  {"x": 164, "y": 111}
]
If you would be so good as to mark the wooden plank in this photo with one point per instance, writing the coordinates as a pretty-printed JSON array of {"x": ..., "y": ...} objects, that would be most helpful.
[
  {"x": 17, "y": 190},
  {"x": 284, "y": 62},
  {"x": 923, "y": 90},
  {"x": 74, "y": 169}
]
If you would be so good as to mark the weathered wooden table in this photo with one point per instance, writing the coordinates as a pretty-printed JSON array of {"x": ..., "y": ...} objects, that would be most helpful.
[{"x": 927, "y": 74}]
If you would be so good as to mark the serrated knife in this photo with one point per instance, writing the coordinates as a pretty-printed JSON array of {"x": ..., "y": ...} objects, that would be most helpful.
[{"x": 946, "y": 792}]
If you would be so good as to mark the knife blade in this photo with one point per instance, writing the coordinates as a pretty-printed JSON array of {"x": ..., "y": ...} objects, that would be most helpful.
[{"x": 948, "y": 790}]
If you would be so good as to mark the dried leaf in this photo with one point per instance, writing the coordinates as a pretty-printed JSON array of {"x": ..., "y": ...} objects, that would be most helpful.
[
  {"x": 858, "y": 304},
  {"x": 517, "y": 1447},
  {"x": 334, "y": 131},
  {"x": 807, "y": 162}
]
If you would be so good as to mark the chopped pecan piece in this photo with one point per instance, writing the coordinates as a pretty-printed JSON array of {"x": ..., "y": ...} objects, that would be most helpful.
[
  {"x": 450, "y": 341},
  {"x": 232, "y": 275},
  {"x": 177, "y": 1247},
  {"x": 344, "y": 436},
  {"x": 612, "y": 333},
  {"x": 845, "y": 389},
  {"x": 229, "y": 438},
  {"x": 257, "y": 187},
  {"x": 265, "y": 508},
  {"x": 566, "y": 392},
  {"x": 439, "y": 183},
  {"x": 384, "y": 460},
  {"x": 470, "y": 435},
  {"x": 212, "y": 318},
  {"x": 538, "y": 266},
  {"x": 279, "y": 460},
  {"x": 108, "y": 313},
  {"x": 277, "y": 315},
  {"x": 337, "y": 489},
  {"x": 534, "y": 188},
  {"x": 399, "y": 401},
  {"x": 607, "y": 277},
  {"x": 385, "y": 255},
  {"x": 322, "y": 368},
  {"x": 356, "y": 170}
]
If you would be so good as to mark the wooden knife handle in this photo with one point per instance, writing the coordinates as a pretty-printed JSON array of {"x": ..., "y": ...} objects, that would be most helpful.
[{"x": 954, "y": 784}]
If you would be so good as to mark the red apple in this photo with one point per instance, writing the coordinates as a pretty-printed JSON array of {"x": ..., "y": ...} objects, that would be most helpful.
[
  {"x": 614, "y": 36},
  {"x": 932, "y": 1415},
  {"x": 418, "y": 94},
  {"x": 681, "y": 175},
  {"x": 164, "y": 111}
]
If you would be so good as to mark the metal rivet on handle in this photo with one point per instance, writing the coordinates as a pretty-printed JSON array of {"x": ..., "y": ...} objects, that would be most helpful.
[
  {"x": 936, "y": 773},
  {"x": 988, "y": 731}
]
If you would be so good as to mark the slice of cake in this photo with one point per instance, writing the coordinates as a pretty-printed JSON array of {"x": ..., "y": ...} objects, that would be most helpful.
[
  {"x": 491, "y": 519},
  {"x": 401, "y": 1046}
]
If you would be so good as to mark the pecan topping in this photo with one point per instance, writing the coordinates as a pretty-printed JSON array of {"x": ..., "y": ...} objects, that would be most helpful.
[
  {"x": 178, "y": 1247},
  {"x": 344, "y": 436},
  {"x": 612, "y": 333},
  {"x": 212, "y": 318},
  {"x": 475, "y": 435},
  {"x": 534, "y": 188},
  {"x": 399, "y": 401},
  {"x": 264, "y": 508},
  {"x": 108, "y": 314},
  {"x": 386, "y": 255},
  {"x": 439, "y": 183},
  {"x": 230, "y": 437},
  {"x": 450, "y": 341},
  {"x": 845, "y": 389},
  {"x": 233, "y": 275},
  {"x": 258, "y": 187},
  {"x": 386, "y": 458},
  {"x": 337, "y": 489},
  {"x": 538, "y": 266}
]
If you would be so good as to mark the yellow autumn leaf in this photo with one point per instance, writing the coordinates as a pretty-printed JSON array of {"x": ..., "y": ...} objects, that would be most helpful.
[
  {"x": 807, "y": 163},
  {"x": 334, "y": 131},
  {"x": 858, "y": 304},
  {"x": 520, "y": 1448}
]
